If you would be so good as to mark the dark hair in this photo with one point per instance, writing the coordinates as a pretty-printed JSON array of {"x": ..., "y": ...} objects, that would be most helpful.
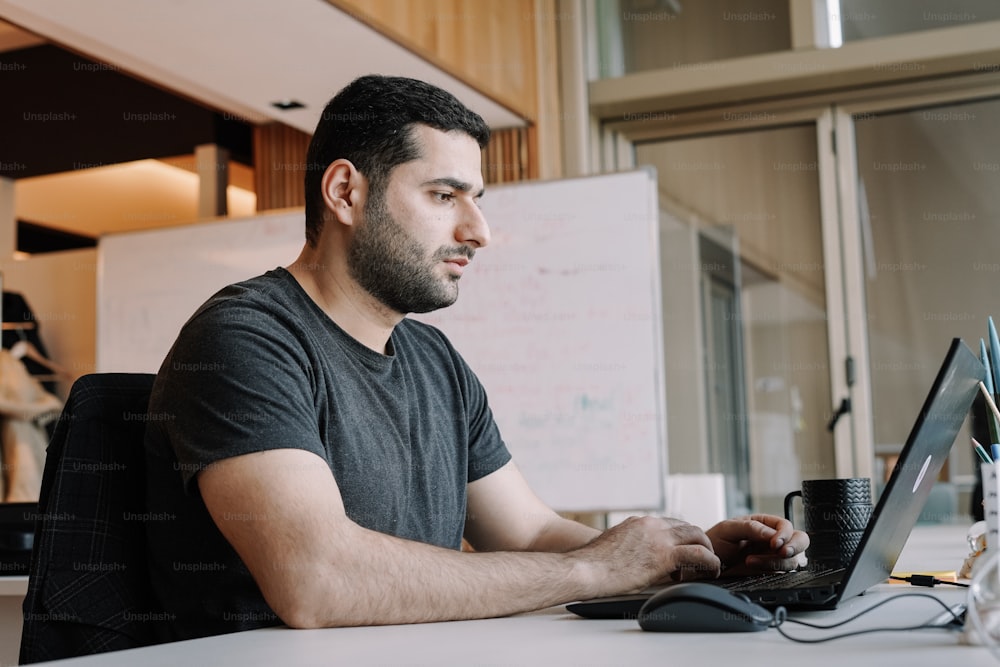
[{"x": 369, "y": 122}]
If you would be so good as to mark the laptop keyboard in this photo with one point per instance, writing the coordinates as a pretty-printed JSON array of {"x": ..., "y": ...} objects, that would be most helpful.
[{"x": 778, "y": 580}]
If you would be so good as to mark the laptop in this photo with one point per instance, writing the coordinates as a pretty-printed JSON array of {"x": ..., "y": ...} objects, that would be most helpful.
[
  {"x": 17, "y": 535},
  {"x": 892, "y": 519}
]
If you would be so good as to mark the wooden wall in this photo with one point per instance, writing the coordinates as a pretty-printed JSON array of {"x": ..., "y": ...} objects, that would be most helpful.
[
  {"x": 279, "y": 161},
  {"x": 508, "y": 157},
  {"x": 489, "y": 44}
]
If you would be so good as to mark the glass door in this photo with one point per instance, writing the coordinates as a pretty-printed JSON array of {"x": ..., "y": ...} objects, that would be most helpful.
[
  {"x": 745, "y": 308},
  {"x": 928, "y": 215}
]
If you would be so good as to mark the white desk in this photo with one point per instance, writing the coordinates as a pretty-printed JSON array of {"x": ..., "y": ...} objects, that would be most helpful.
[{"x": 556, "y": 637}]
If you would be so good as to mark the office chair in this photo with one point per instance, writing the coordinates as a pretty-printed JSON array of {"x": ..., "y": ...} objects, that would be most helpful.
[{"x": 88, "y": 586}]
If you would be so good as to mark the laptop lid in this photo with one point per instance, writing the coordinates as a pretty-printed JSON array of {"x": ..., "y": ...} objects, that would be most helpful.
[{"x": 916, "y": 470}]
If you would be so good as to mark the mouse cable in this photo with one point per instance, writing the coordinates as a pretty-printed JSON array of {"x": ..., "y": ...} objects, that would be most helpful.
[
  {"x": 927, "y": 580},
  {"x": 781, "y": 617}
]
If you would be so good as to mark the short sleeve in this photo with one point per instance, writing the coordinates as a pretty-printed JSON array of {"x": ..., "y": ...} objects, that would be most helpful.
[
  {"x": 487, "y": 450},
  {"x": 235, "y": 382}
]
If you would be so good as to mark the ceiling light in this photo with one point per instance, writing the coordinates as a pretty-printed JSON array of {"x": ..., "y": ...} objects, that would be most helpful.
[{"x": 287, "y": 104}]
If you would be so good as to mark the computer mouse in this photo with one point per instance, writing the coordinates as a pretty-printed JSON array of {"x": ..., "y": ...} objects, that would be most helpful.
[{"x": 702, "y": 607}]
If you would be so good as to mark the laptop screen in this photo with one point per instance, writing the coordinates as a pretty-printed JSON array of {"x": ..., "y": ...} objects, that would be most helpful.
[{"x": 916, "y": 469}]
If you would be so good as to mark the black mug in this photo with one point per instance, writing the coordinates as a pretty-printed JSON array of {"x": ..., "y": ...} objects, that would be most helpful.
[{"x": 836, "y": 512}]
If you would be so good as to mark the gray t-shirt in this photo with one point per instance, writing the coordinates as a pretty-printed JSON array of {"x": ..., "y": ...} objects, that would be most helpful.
[{"x": 258, "y": 367}]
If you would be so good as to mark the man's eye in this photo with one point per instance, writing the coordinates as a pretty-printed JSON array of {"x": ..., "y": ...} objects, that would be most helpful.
[{"x": 444, "y": 196}]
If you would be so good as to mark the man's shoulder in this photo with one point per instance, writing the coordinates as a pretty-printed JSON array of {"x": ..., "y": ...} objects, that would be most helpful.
[
  {"x": 270, "y": 286},
  {"x": 266, "y": 294}
]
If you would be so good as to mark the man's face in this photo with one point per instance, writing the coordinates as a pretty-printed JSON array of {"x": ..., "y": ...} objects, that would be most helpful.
[{"x": 415, "y": 238}]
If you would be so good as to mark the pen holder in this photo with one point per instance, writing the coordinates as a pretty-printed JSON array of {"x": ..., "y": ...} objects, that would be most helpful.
[
  {"x": 983, "y": 626},
  {"x": 991, "y": 506},
  {"x": 836, "y": 512}
]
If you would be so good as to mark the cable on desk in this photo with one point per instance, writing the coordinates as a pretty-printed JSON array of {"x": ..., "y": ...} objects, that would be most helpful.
[
  {"x": 927, "y": 580},
  {"x": 781, "y": 617}
]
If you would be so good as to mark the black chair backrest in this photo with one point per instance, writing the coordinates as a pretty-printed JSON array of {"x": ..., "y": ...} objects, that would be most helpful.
[{"x": 88, "y": 586}]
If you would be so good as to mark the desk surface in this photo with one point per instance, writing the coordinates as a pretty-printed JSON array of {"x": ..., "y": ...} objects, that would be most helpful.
[{"x": 556, "y": 637}]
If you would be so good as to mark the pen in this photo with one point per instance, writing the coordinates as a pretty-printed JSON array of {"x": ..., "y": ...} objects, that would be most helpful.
[
  {"x": 982, "y": 452},
  {"x": 986, "y": 363},
  {"x": 994, "y": 353},
  {"x": 989, "y": 402},
  {"x": 992, "y": 424}
]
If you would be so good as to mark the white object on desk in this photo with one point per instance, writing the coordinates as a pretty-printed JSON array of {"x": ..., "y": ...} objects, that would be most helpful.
[
  {"x": 697, "y": 499},
  {"x": 984, "y": 598},
  {"x": 990, "y": 504}
]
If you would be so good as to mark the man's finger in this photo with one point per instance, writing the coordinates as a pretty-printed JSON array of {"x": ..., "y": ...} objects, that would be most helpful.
[
  {"x": 747, "y": 528},
  {"x": 697, "y": 560}
]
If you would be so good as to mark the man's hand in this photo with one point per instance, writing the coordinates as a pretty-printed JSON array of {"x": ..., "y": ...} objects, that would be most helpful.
[
  {"x": 759, "y": 542},
  {"x": 643, "y": 551}
]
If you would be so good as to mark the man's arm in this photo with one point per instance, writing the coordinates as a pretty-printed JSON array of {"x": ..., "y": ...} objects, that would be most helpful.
[
  {"x": 282, "y": 512},
  {"x": 504, "y": 514}
]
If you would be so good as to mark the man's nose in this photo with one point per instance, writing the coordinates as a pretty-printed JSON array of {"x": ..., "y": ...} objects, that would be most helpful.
[{"x": 474, "y": 229}]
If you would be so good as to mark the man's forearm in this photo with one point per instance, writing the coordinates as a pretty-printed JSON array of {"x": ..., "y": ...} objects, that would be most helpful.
[{"x": 378, "y": 579}]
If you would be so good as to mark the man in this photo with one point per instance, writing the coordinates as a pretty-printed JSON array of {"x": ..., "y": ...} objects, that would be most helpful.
[{"x": 324, "y": 455}]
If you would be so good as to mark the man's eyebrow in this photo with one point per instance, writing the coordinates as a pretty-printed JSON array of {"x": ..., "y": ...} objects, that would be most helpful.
[{"x": 455, "y": 184}]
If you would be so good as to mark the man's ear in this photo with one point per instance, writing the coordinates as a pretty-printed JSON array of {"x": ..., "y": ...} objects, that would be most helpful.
[{"x": 344, "y": 189}]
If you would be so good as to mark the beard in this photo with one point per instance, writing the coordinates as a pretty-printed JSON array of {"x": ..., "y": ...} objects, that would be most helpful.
[{"x": 394, "y": 267}]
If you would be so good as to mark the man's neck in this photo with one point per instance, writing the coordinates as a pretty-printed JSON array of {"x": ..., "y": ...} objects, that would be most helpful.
[{"x": 328, "y": 283}]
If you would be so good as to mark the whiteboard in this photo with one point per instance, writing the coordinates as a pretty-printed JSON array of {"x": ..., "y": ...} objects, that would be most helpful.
[
  {"x": 150, "y": 282},
  {"x": 559, "y": 317}
]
